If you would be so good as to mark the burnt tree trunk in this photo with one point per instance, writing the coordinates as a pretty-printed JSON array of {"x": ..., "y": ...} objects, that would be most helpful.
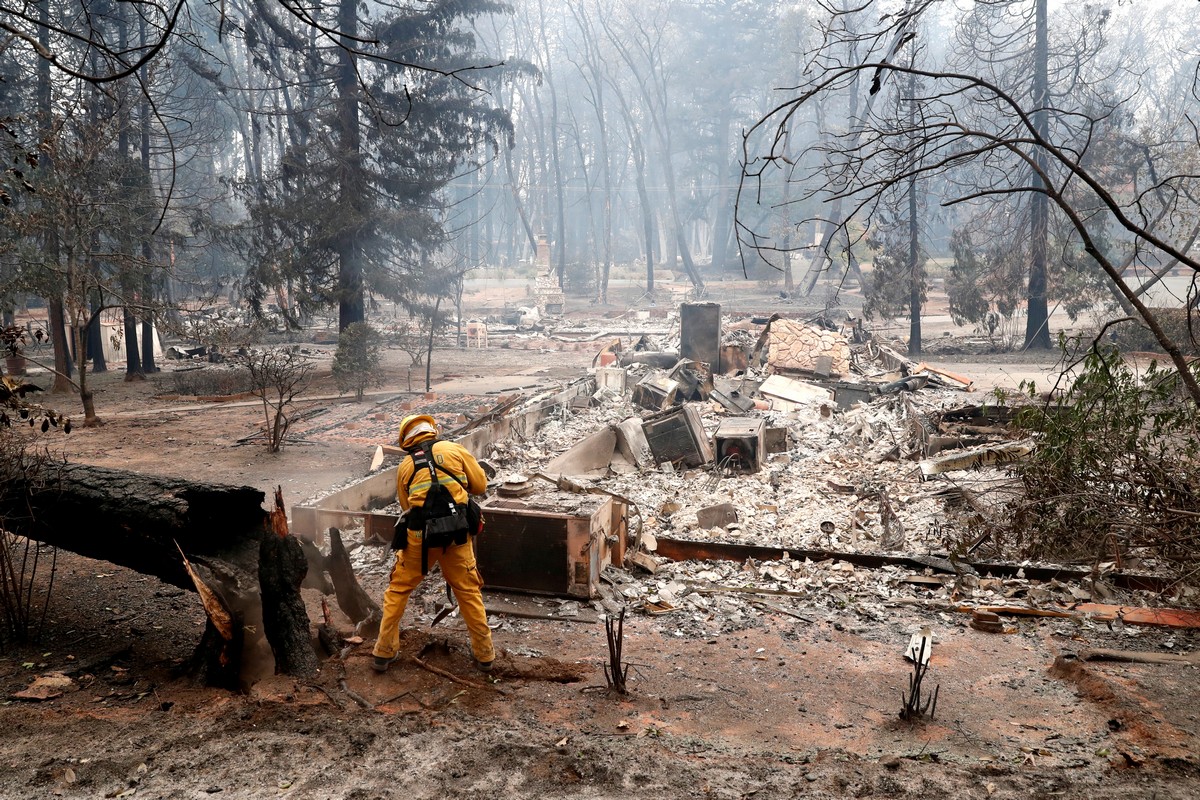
[
  {"x": 137, "y": 520},
  {"x": 151, "y": 524},
  {"x": 281, "y": 570}
]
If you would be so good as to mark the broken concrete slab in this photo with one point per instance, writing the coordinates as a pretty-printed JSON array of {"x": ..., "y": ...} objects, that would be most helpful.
[
  {"x": 376, "y": 460},
  {"x": 797, "y": 393},
  {"x": 591, "y": 457}
]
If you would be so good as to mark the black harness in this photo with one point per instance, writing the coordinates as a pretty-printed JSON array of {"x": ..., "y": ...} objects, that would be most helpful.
[{"x": 441, "y": 520}]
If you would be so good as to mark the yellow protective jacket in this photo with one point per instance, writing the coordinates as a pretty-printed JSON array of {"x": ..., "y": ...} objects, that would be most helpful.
[{"x": 450, "y": 458}]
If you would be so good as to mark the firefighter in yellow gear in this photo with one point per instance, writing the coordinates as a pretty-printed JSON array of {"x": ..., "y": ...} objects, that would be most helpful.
[{"x": 460, "y": 473}]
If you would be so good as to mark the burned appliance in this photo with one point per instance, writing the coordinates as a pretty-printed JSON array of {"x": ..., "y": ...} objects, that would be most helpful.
[
  {"x": 552, "y": 542},
  {"x": 655, "y": 391},
  {"x": 740, "y": 443},
  {"x": 677, "y": 436}
]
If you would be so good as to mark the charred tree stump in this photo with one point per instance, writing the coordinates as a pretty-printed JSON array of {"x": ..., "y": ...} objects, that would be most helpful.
[
  {"x": 217, "y": 661},
  {"x": 281, "y": 569},
  {"x": 282, "y": 566}
]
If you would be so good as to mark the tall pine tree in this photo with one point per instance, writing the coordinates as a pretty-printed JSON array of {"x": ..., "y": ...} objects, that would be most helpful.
[{"x": 356, "y": 204}]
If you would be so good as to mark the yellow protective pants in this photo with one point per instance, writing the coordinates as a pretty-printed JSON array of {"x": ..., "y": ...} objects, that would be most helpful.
[{"x": 458, "y": 567}]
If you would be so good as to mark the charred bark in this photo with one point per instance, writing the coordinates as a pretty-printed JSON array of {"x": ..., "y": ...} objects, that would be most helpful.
[
  {"x": 159, "y": 526},
  {"x": 281, "y": 570},
  {"x": 217, "y": 661},
  {"x": 136, "y": 520}
]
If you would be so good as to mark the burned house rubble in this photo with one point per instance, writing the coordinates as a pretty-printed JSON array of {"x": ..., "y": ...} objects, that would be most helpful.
[{"x": 803, "y": 469}]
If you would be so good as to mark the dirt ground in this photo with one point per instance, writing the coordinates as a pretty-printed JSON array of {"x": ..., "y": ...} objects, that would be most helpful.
[{"x": 804, "y": 704}]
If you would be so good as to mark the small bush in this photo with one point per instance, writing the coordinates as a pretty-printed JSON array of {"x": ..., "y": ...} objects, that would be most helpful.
[
  {"x": 212, "y": 381},
  {"x": 581, "y": 279},
  {"x": 1178, "y": 323},
  {"x": 1116, "y": 472},
  {"x": 356, "y": 363},
  {"x": 27, "y": 568},
  {"x": 409, "y": 335},
  {"x": 278, "y": 376}
]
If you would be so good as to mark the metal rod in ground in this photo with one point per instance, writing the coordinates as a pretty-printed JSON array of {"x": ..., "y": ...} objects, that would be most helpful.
[
  {"x": 614, "y": 671},
  {"x": 912, "y": 705}
]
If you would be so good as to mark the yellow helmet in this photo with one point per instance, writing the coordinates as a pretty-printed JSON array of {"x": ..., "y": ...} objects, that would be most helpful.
[{"x": 416, "y": 428}]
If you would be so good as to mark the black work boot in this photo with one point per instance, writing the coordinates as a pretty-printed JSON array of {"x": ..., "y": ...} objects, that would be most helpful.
[{"x": 381, "y": 664}]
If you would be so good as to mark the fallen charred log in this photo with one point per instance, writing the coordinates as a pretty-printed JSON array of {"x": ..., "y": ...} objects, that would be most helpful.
[
  {"x": 136, "y": 520},
  {"x": 163, "y": 526}
]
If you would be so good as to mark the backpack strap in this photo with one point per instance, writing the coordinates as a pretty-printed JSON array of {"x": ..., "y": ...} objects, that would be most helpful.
[
  {"x": 428, "y": 454},
  {"x": 425, "y": 450}
]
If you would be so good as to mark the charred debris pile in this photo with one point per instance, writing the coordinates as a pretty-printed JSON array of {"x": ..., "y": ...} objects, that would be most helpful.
[{"x": 773, "y": 467}]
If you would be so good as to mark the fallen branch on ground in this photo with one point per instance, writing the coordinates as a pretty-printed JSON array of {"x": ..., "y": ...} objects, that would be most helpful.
[{"x": 452, "y": 677}]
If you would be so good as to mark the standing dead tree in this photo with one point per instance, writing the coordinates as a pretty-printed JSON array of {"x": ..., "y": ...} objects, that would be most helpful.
[
  {"x": 278, "y": 377},
  {"x": 979, "y": 141}
]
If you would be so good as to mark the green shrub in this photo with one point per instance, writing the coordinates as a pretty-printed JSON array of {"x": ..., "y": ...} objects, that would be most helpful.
[
  {"x": 1116, "y": 471},
  {"x": 356, "y": 363},
  {"x": 1133, "y": 336}
]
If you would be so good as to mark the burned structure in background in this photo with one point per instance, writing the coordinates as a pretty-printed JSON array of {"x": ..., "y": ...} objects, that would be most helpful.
[{"x": 814, "y": 446}]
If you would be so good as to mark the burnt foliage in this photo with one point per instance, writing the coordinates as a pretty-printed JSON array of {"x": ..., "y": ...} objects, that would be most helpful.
[{"x": 1116, "y": 474}]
